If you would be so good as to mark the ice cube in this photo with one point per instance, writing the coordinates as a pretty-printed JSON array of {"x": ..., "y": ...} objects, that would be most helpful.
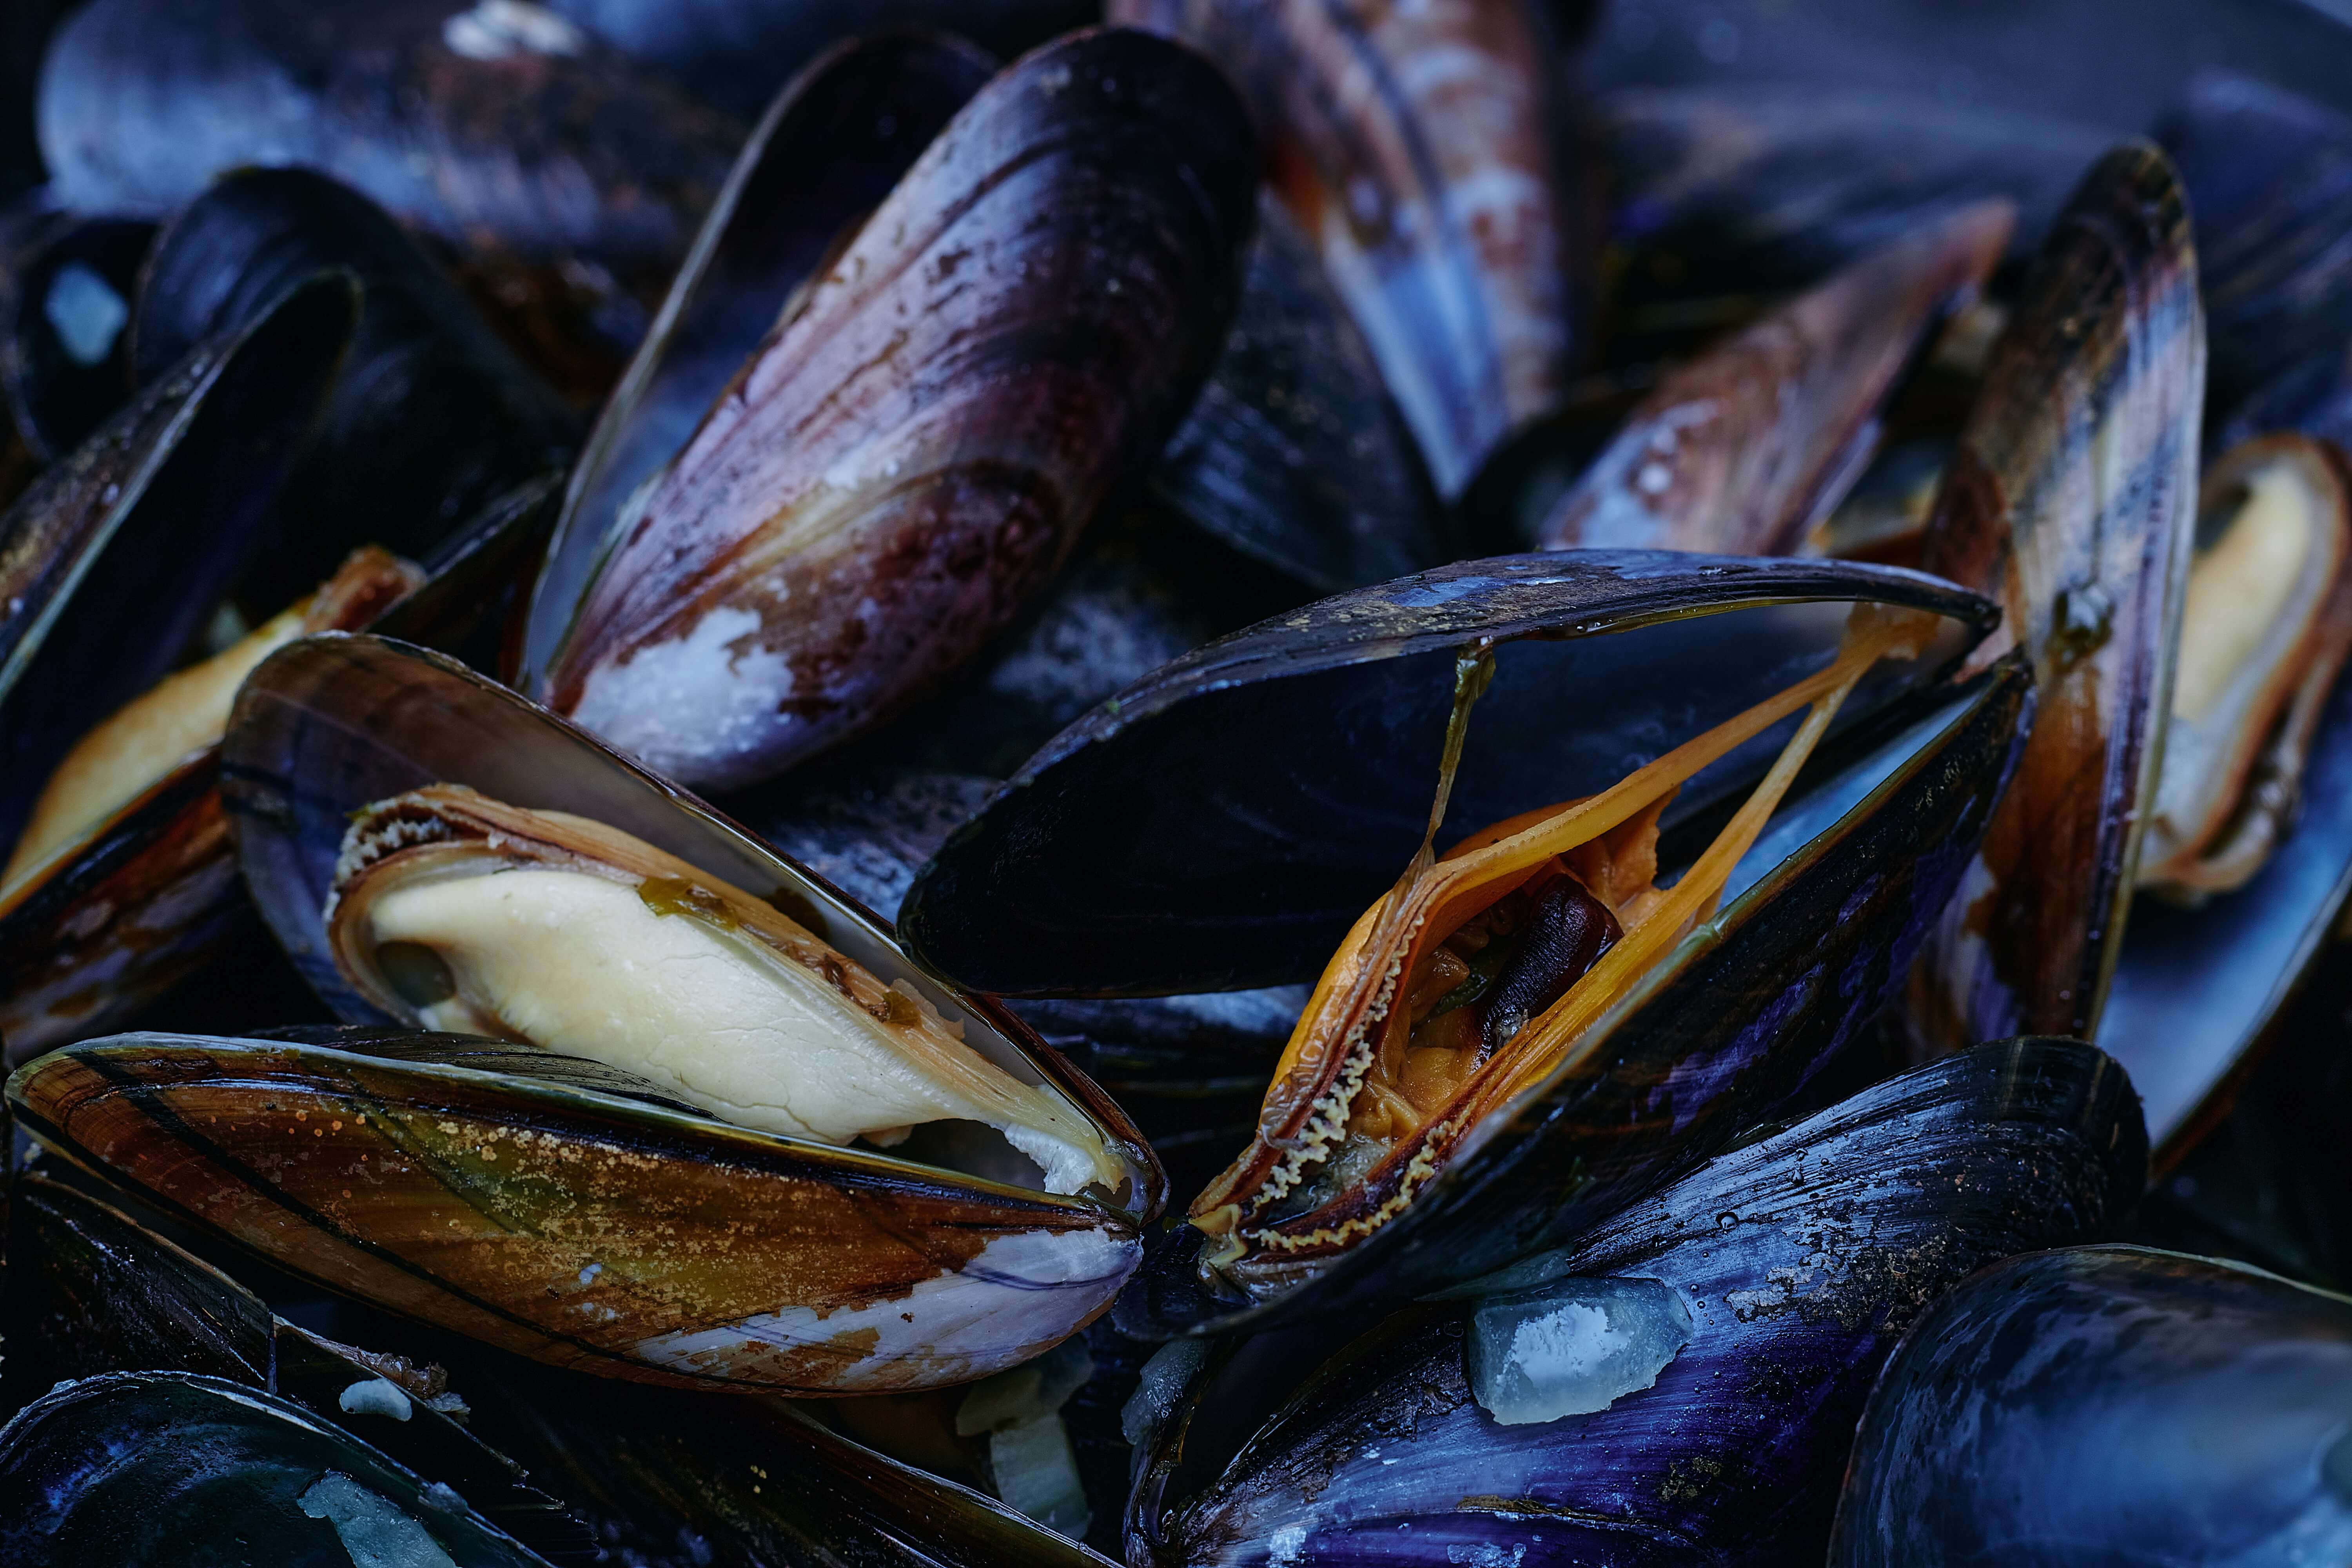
[
  {"x": 373, "y": 1529},
  {"x": 1573, "y": 1346}
]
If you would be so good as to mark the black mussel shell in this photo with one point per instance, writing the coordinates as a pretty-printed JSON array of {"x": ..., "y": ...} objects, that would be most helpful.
[
  {"x": 736, "y": 54},
  {"x": 2269, "y": 177},
  {"x": 93, "y": 1291},
  {"x": 433, "y": 418},
  {"x": 1222, "y": 822},
  {"x": 110, "y": 563},
  {"x": 141, "y": 1467},
  {"x": 1799, "y": 1258},
  {"x": 826, "y": 151},
  {"x": 502, "y": 128},
  {"x": 1296, "y": 453},
  {"x": 2110, "y": 1406},
  {"x": 65, "y": 286}
]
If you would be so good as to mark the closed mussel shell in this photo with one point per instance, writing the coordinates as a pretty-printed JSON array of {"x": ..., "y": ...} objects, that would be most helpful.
[
  {"x": 2112, "y": 1404},
  {"x": 2073, "y": 495},
  {"x": 907, "y": 458},
  {"x": 1760, "y": 1294},
  {"x": 1744, "y": 449},
  {"x": 173, "y": 1468},
  {"x": 543, "y": 1211},
  {"x": 1220, "y": 824},
  {"x": 830, "y": 147},
  {"x": 1416, "y": 148},
  {"x": 502, "y": 128}
]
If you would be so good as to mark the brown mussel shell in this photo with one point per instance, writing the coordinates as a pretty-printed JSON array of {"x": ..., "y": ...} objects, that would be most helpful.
[
  {"x": 1417, "y": 148},
  {"x": 907, "y": 459},
  {"x": 1743, "y": 449},
  {"x": 2072, "y": 495}
]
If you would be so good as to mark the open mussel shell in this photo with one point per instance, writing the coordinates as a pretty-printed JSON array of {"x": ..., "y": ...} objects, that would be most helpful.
[
  {"x": 502, "y": 128},
  {"x": 93, "y": 1291},
  {"x": 736, "y": 55},
  {"x": 2269, "y": 177},
  {"x": 1296, "y": 453},
  {"x": 65, "y": 286},
  {"x": 1797, "y": 1260},
  {"x": 2109, "y": 1404},
  {"x": 908, "y": 457},
  {"x": 1417, "y": 149},
  {"x": 689, "y": 1249},
  {"x": 2072, "y": 495},
  {"x": 1744, "y": 449},
  {"x": 827, "y": 151},
  {"x": 2265, "y": 759},
  {"x": 433, "y": 417},
  {"x": 1123, "y": 859},
  {"x": 110, "y": 562},
  {"x": 155, "y": 1468}
]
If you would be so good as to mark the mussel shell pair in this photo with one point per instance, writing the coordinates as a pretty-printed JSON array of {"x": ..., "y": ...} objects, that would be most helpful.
[
  {"x": 1800, "y": 1258},
  {"x": 502, "y": 127},
  {"x": 913, "y": 447},
  {"x": 2109, "y": 1404},
  {"x": 1220, "y": 825},
  {"x": 520, "y": 1199}
]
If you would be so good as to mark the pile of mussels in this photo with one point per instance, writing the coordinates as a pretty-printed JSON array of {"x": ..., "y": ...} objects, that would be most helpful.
[{"x": 1463, "y": 814}]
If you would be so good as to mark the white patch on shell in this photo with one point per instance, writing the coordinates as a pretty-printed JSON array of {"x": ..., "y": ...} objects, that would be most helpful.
[
  {"x": 1020, "y": 1294},
  {"x": 693, "y": 707},
  {"x": 496, "y": 28}
]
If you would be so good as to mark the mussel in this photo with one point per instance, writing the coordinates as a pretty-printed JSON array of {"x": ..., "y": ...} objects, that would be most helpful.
[
  {"x": 1745, "y": 447},
  {"x": 1683, "y": 1382},
  {"x": 500, "y": 128},
  {"x": 1226, "y": 822},
  {"x": 2072, "y": 494},
  {"x": 578, "y": 1213},
  {"x": 1417, "y": 148},
  {"x": 2109, "y": 1404},
  {"x": 913, "y": 449},
  {"x": 65, "y": 288}
]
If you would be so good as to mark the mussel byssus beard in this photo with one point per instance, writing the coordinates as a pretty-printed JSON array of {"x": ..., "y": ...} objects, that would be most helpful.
[
  {"x": 183, "y": 716},
  {"x": 453, "y": 911},
  {"x": 1479, "y": 973},
  {"x": 2265, "y": 630}
]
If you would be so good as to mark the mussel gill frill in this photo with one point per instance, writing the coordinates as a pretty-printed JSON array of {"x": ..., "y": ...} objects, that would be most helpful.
[
  {"x": 1415, "y": 146},
  {"x": 2108, "y": 1404},
  {"x": 907, "y": 459},
  {"x": 1745, "y": 447},
  {"x": 2073, "y": 495},
  {"x": 1798, "y": 1259}
]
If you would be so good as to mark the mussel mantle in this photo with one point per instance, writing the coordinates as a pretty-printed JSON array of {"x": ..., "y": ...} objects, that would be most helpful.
[
  {"x": 911, "y": 452},
  {"x": 1225, "y": 821},
  {"x": 623, "y": 1232}
]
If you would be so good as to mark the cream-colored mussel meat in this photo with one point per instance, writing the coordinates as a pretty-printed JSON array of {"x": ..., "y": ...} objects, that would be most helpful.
[{"x": 458, "y": 912}]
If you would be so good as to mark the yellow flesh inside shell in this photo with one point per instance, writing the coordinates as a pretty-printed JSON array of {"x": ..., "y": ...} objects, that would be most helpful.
[
  {"x": 559, "y": 933},
  {"x": 2257, "y": 618},
  {"x": 183, "y": 714},
  {"x": 1319, "y": 1116}
]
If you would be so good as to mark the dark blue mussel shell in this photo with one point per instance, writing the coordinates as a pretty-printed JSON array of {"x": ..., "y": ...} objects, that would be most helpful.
[
  {"x": 1802, "y": 1258},
  {"x": 137, "y": 1469},
  {"x": 1221, "y": 823},
  {"x": 65, "y": 286},
  {"x": 2110, "y": 1406}
]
